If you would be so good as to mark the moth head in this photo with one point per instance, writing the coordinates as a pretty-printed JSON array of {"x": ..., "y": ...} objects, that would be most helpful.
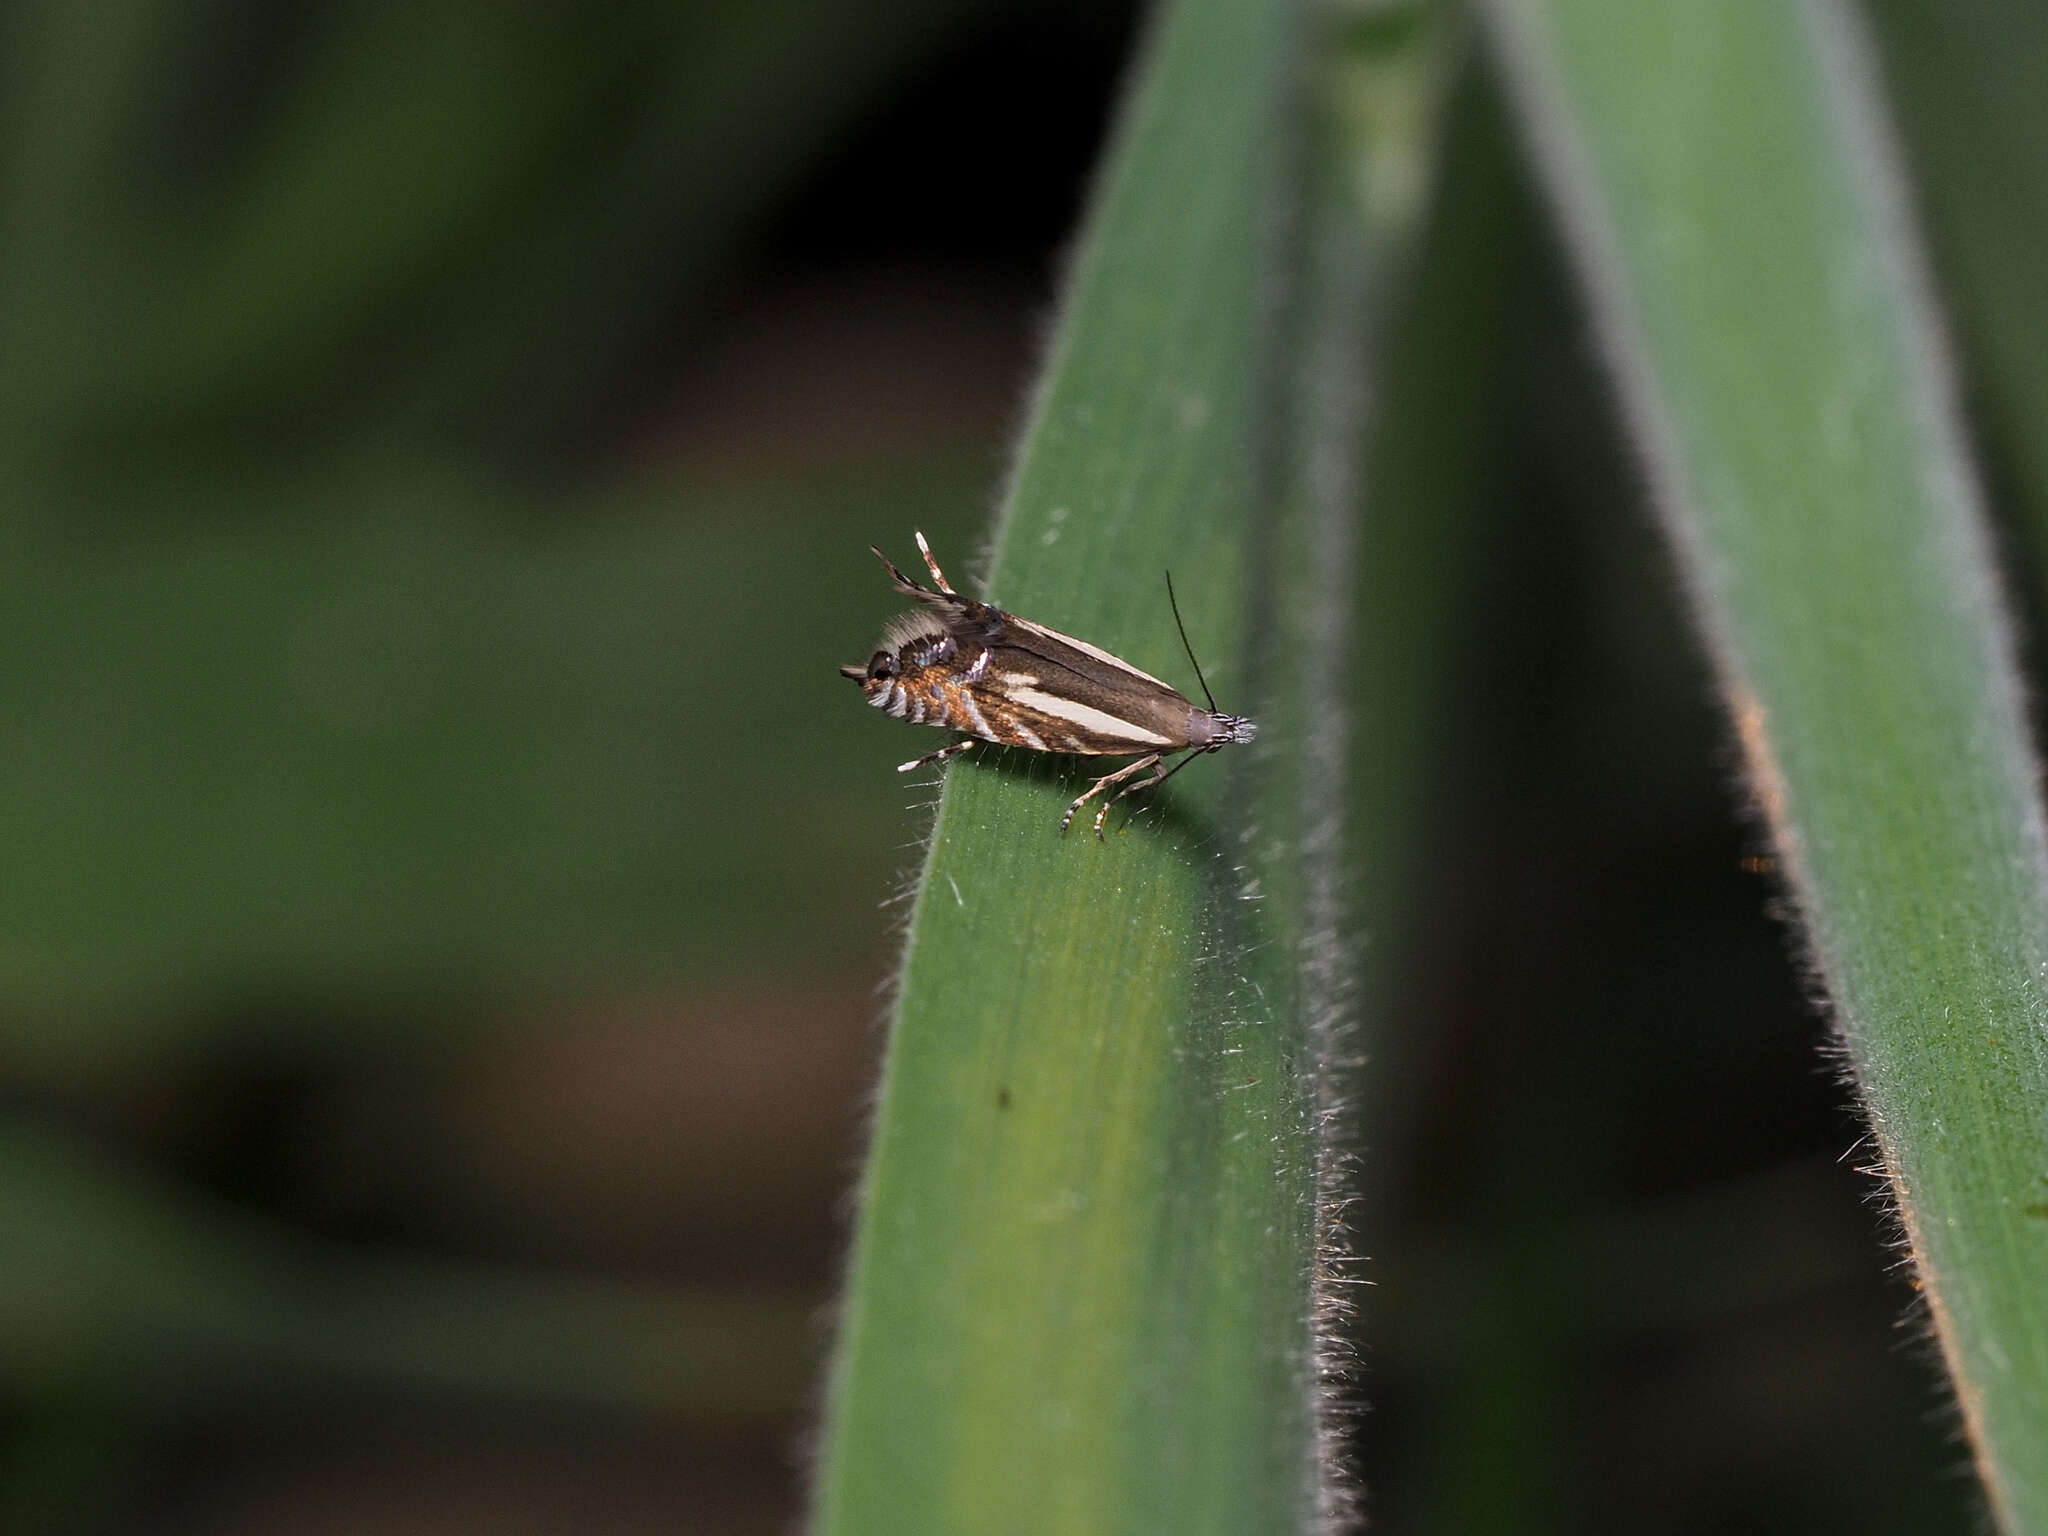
[
  {"x": 882, "y": 668},
  {"x": 1209, "y": 731}
]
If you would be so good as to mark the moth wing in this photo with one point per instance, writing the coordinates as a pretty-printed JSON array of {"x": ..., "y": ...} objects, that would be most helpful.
[
  {"x": 1078, "y": 657},
  {"x": 1088, "y": 688}
]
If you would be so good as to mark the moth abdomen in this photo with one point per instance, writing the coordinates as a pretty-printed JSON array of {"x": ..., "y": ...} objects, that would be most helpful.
[{"x": 1208, "y": 729}]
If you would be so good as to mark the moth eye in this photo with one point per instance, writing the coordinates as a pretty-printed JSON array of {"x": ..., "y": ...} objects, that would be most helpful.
[{"x": 882, "y": 665}]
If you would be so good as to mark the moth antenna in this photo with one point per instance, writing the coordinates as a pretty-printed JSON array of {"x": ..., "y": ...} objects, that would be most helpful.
[
  {"x": 1175, "y": 605},
  {"x": 933, "y": 565},
  {"x": 901, "y": 580}
]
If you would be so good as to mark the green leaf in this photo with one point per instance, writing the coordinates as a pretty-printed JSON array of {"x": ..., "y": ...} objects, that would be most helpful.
[
  {"x": 1736, "y": 210},
  {"x": 1101, "y": 1278},
  {"x": 1082, "y": 1291}
]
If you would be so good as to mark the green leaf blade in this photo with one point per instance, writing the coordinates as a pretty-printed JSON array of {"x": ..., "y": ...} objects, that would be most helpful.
[
  {"x": 1081, "y": 1293},
  {"x": 1735, "y": 207}
]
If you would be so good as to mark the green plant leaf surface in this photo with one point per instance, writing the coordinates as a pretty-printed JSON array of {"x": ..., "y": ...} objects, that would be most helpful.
[
  {"x": 1081, "y": 1292},
  {"x": 1732, "y": 199}
]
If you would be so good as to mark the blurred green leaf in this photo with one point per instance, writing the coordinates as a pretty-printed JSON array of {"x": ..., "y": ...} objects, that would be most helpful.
[
  {"x": 1966, "y": 78},
  {"x": 1728, "y": 189},
  {"x": 430, "y": 221},
  {"x": 1436, "y": 447},
  {"x": 305, "y": 755},
  {"x": 116, "y": 1285}
]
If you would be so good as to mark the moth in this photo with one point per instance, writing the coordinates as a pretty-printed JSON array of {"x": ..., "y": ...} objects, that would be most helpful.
[{"x": 968, "y": 666}]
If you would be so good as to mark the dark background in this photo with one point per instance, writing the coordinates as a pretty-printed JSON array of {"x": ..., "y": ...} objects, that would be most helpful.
[{"x": 448, "y": 887}]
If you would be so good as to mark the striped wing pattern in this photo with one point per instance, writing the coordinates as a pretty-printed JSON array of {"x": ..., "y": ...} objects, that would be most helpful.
[{"x": 1003, "y": 679}]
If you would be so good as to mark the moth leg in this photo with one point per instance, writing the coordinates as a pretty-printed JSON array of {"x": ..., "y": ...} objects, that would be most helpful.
[
  {"x": 1166, "y": 773},
  {"x": 1160, "y": 774},
  {"x": 1107, "y": 781},
  {"x": 932, "y": 565},
  {"x": 939, "y": 756}
]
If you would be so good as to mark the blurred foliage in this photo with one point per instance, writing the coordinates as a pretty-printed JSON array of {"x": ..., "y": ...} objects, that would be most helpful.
[
  {"x": 413, "y": 736},
  {"x": 378, "y": 677},
  {"x": 349, "y": 225}
]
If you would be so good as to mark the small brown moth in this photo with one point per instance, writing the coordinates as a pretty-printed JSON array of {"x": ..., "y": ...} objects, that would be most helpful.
[{"x": 969, "y": 666}]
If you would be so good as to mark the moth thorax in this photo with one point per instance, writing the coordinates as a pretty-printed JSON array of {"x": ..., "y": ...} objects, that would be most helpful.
[
  {"x": 1212, "y": 730},
  {"x": 918, "y": 640}
]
